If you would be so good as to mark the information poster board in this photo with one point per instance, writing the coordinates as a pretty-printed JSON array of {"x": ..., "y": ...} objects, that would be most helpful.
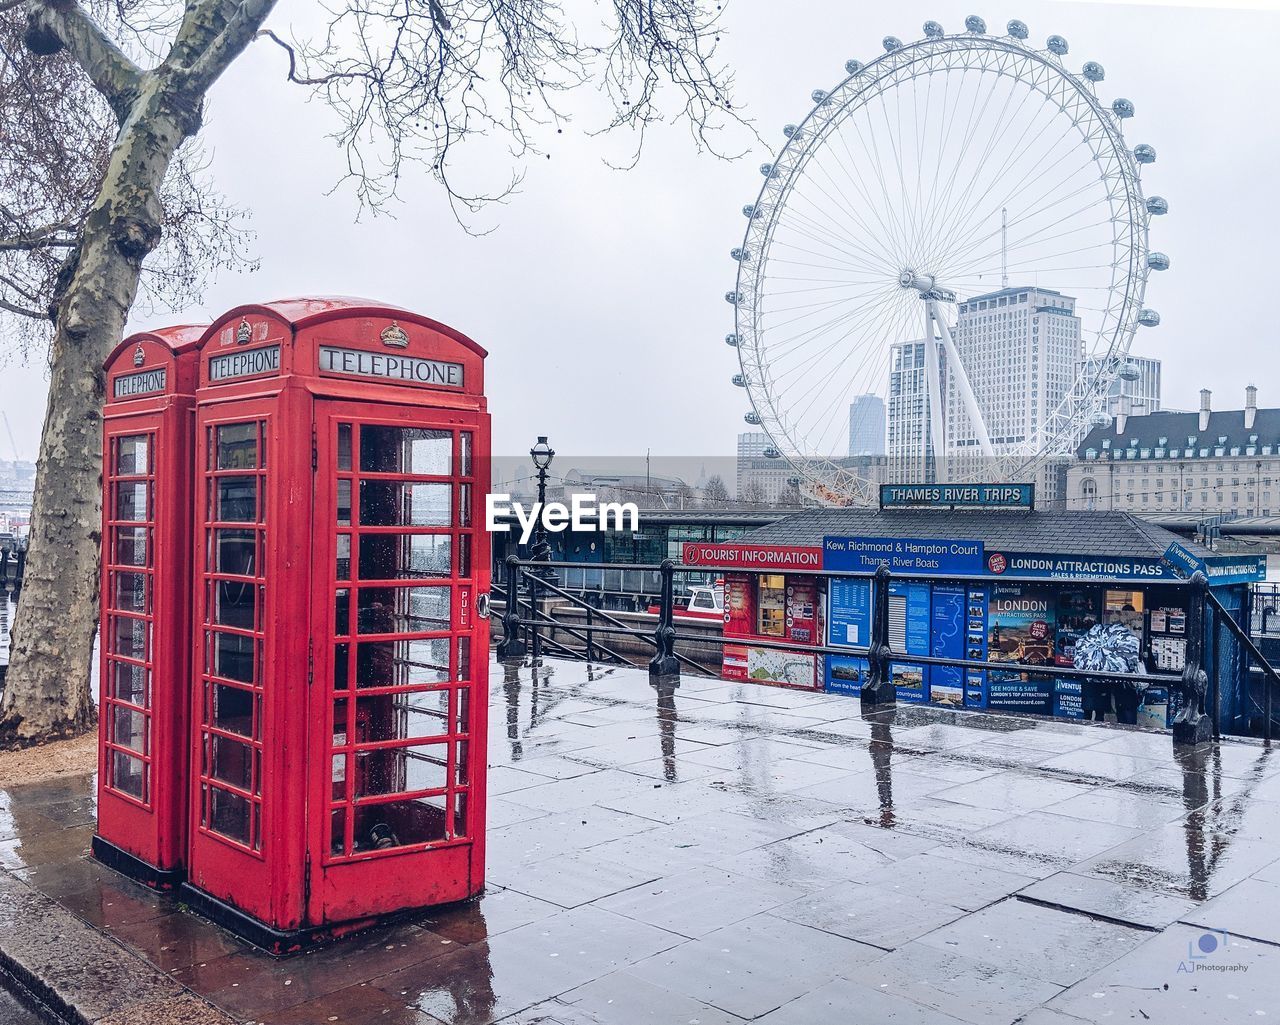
[
  {"x": 947, "y": 640},
  {"x": 1021, "y": 627},
  {"x": 975, "y": 686},
  {"x": 909, "y": 631},
  {"x": 849, "y": 619}
]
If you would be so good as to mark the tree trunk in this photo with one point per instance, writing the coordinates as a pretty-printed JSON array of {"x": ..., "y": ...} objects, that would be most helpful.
[{"x": 47, "y": 689}]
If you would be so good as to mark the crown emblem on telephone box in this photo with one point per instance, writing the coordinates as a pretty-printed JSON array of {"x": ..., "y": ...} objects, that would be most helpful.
[
  {"x": 244, "y": 333},
  {"x": 394, "y": 336},
  {"x": 139, "y": 355}
]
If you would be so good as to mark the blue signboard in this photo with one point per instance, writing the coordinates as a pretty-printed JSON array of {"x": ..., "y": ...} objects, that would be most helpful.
[
  {"x": 846, "y": 674},
  {"x": 850, "y": 612},
  {"x": 902, "y": 555},
  {"x": 946, "y": 683},
  {"x": 1220, "y": 569},
  {"x": 1068, "y": 698},
  {"x": 1078, "y": 567},
  {"x": 957, "y": 496},
  {"x": 909, "y": 631}
]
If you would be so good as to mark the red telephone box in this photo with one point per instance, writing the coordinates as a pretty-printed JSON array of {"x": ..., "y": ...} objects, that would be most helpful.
[
  {"x": 146, "y": 587},
  {"x": 340, "y": 648}
]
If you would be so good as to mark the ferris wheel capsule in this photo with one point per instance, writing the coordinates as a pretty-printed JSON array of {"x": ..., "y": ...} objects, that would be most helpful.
[
  {"x": 1093, "y": 71},
  {"x": 1157, "y": 205},
  {"x": 1018, "y": 29},
  {"x": 731, "y": 339},
  {"x": 933, "y": 30},
  {"x": 1122, "y": 108},
  {"x": 891, "y": 43},
  {"x": 739, "y": 380},
  {"x": 852, "y": 67},
  {"x": 768, "y": 171},
  {"x": 1144, "y": 154},
  {"x": 1056, "y": 45},
  {"x": 819, "y": 96},
  {"x": 1100, "y": 420},
  {"x": 751, "y": 418},
  {"x": 791, "y": 131},
  {"x": 772, "y": 453},
  {"x": 975, "y": 24},
  {"x": 731, "y": 298},
  {"x": 749, "y": 211},
  {"x": 1157, "y": 261},
  {"x": 740, "y": 255},
  {"x": 1148, "y": 318},
  {"x": 1129, "y": 372}
]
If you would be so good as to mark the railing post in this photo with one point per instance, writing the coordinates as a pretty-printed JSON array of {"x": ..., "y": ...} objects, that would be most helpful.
[
  {"x": 1191, "y": 727},
  {"x": 879, "y": 688},
  {"x": 590, "y": 636},
  {"x": 664, "y": 665},
  {"x": 511, "y": 646},
  {"x": 535, "y": 640}
]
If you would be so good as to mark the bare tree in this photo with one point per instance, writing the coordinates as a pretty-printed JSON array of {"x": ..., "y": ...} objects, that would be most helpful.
[
  {"x": 714, "y": 494},
  {"x": 407, "y": 82},
  {"x": 752, "y": 492}
]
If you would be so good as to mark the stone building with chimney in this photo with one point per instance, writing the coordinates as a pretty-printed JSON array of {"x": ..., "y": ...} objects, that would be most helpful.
[{"x": 1210, "y": 461}]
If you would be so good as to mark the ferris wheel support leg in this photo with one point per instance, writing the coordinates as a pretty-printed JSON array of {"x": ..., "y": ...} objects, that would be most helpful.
[
  {"x": 956, "y": 368},
  {"x": 933, "y": 383}
]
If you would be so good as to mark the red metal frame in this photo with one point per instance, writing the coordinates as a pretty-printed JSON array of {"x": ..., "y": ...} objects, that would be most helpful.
[
  {"x": 144, "y": 669},
  {"x": 329, "y": 659}
]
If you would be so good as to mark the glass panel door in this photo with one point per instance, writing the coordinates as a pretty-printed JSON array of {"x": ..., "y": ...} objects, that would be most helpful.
[
  {"x": 399, "y": 503},
  {"x": 129, "y": 582},
  {"x": 233, "y": 589}
]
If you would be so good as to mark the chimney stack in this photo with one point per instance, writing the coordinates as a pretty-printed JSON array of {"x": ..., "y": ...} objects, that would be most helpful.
[
  {"x": 1205, "y": 409},
  {"x": 1250, "y": 406},
  {"x": 1122, "y": 414}
]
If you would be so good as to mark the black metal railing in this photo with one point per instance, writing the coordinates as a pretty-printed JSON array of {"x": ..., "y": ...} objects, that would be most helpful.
[{"x": 1197, "y": 717}]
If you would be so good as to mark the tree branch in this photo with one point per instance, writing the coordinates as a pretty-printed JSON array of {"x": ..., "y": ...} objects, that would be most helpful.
[
  {"x": 53, "y": 25},
  {"x": 237, "y": 33}
]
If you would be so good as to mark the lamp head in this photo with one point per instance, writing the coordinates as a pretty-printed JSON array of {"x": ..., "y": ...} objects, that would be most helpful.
[{"x": 542, "y": 453}]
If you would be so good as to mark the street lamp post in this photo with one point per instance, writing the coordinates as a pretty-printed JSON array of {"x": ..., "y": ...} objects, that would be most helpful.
[{"x": 542, "y": 454}]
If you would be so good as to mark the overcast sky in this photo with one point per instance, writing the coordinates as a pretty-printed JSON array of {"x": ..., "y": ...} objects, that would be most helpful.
[{"x": 600, "y": 294}]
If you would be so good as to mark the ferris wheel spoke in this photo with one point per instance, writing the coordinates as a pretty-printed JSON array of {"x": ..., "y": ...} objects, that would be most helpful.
[
  {"x": 784, "y": 347},
  {"x": 827, "y": 337},
  {"x": 885, "y": 233}
]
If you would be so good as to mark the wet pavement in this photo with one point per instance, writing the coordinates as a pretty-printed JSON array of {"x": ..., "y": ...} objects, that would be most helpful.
[{"x": 721, "y": 853}]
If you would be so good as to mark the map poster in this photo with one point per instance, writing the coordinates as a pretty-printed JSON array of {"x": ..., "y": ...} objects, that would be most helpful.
[{"x": 946, "y": 683}]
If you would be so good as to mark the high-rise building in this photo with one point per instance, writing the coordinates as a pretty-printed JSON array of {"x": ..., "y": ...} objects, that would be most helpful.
[
  {"x": 1135, "y": 391},
  {"x": 1020, "y": 348},
  {"x": 866, "y": 426},
  {"x": 910, "y": 447}
]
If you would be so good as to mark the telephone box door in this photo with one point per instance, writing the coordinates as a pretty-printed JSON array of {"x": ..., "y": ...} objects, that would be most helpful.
[{"x": 401, "y": 661}]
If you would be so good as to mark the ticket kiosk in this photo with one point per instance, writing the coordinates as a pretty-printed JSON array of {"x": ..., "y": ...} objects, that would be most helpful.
[
  {"x": 340, "y": 649},
  {"x": 146, "y": 593}
]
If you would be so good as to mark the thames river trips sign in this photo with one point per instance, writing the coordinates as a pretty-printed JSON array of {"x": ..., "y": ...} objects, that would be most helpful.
[{"x": 957, "y": 496}]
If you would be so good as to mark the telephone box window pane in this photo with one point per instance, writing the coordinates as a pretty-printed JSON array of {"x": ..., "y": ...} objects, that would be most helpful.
[
  {"x": 233, "y": 709},
  {"x": 234, "y": 605},
  {"x": 399, "y": 823},
  {"x": 398, "y": 770},
  {"x": 340, "y": 722},
  {"x": 337, "y": 831},
  {"x": 464, "y": 660},
  {"x": 131, "y": 501},
  {"x": 460, "y": 814},
  {"x": 342, "y": 611},
  {"x": 131, "y": 546},
  {"x": 344, "y": 446},
  {"x": 464, "y": 505},
  {"x": 127, "y": 774},
  {"x": 338, "y": 777},
  {"x": 238, "y": 446},
  {"x": 398, "y": 610},
  {"x": 341, "y": 671},
  {"x": 233, "y": 657},
  {"x": 462, "y": 766},
  {"x": 231, "y": 761},
  {"x": 129, "y": 683},
  {"x": 343, "y": 567},
  {"x": 462, "y": 723},
  {"x": 415, "y": 716},
  {"x": 464, "y": 457},
  {"x": 131, "y": 454},
  {"x": 234, "y": 551},
  {"x": 464, "y": 555},
  {"x": 405, "y": 450},
  {"x": 238, "y": 499},
  {"x": 129, "y": 638},
  {"x": 344, "y": 503},
  {"x": 393, "y": 503},
  {"x": 131, "y": 592},
  {"x": 400, "y": 556},
  {"x": 128, "y": 728},
  {"x": 402, "y": 663},
  {"x": 229, "y": 814}
]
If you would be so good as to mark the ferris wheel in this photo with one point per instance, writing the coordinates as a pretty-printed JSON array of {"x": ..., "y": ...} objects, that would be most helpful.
[{"x": 922, "y": 225}]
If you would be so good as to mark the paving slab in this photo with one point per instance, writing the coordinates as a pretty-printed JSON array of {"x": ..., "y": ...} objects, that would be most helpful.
[{"x": 1105, "y": 898}]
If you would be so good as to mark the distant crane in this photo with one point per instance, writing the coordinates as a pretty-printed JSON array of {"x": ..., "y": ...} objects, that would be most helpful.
[{"x": 13, "y": 445}]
